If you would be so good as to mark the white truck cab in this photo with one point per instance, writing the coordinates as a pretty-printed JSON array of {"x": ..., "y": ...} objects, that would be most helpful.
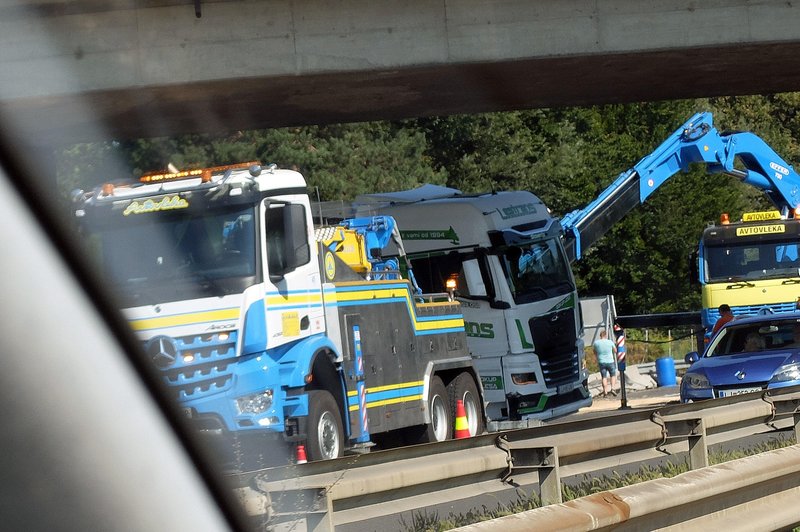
[{"x": 501, "y": 255}]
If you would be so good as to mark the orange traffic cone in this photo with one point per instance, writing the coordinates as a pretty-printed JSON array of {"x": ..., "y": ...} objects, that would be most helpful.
[
  {"x": 301, "y": 454},
  {"x": 462, "y": 426}
]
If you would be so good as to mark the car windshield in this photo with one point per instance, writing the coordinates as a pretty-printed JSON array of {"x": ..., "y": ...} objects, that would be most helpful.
[
  {"x": 756, "y": 337},
  {"x": 537, "y": 271}
]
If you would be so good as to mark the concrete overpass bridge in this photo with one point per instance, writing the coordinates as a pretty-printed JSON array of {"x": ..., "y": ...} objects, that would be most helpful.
[{"x": 85, "y": 69}]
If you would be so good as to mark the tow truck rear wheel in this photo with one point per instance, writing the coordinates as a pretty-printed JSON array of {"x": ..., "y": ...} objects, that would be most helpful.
[
  {"x": 441, "y": 426},
  {"x": 325, "y": 433},
  {"x": 463, "y": 387}
]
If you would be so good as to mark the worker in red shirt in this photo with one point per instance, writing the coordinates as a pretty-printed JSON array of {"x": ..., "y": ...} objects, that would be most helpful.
[{"x": 725, "y": 315}]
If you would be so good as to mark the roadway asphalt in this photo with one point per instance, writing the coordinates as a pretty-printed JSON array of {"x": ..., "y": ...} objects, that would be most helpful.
[
  {"x": 660, "y": 395},
  {"x": 642, "y": 391}
]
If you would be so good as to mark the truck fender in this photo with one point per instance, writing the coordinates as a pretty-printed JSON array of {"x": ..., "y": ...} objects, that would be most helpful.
[
  {"x": 326, "y": 374},
  {"x": 314, "y": 366},
  {"x": 300, "y": 357}
]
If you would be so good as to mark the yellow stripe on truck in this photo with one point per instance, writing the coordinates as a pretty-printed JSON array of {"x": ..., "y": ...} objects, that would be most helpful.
[{"x": 185, "y": 319}]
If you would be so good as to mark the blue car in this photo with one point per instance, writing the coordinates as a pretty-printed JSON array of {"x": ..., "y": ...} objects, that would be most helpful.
[{"x": 747, "y": 355}]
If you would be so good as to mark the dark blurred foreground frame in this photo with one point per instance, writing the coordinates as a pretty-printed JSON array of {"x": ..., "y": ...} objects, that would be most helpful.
[{"x": 89, "y": 440}]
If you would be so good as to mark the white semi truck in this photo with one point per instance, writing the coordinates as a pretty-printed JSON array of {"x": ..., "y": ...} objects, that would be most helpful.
[{"x": 501, "y": 255}]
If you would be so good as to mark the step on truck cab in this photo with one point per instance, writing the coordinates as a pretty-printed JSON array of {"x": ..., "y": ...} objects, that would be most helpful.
[
  {"x": 269, "y": 331},
  {"x": 501, "y": 256}
]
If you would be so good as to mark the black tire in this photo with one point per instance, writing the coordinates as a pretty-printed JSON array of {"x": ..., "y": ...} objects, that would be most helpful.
[
  {"x": 441, "y": 426},
  {"x": 325, "y": 433},
  {"x": 464, "y": 387}
]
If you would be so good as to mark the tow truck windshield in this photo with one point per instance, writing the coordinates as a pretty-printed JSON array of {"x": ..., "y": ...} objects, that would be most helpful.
[
  {"x": 537, "y": 271},
  {"x": 163, "y": 257}
]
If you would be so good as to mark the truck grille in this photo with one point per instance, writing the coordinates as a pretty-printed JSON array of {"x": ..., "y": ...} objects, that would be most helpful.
[
  {"x": 753, "y": 310},
  {"x": 201, "y": 362},
  {"x": 777, "y": 308},
  {"x": 554, "y": 341}
]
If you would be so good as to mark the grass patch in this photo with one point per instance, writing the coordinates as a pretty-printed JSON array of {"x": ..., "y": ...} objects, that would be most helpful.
[{"x": 431, "y": 521}]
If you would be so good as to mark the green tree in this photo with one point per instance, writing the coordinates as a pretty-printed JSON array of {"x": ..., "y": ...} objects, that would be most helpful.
[{"x": 341, "y": 160}]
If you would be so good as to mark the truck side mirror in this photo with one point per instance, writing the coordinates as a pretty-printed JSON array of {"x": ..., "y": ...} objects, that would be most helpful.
[
  {"x": 287, "y": 240},
  {"x": 694, "y": 268},
  {"x": 476, "y": 287},
  {"x": 473, "y": 278},
  {"x": 298, "y": 249},
  {"x": 692, "y": 357}
]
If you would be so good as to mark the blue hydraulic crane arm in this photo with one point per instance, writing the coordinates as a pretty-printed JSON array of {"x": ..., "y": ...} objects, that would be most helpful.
[
  {"x": 378, "y": 233},
  {"x": 376, "y": 230},
  {"x": 764, "y": 169},
  {"x": 696, "y": 141}
]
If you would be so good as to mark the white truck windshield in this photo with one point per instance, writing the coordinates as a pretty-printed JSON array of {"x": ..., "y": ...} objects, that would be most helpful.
[
  {"x": 169, "y": 257},
  {"x": 537, "y": 271}
]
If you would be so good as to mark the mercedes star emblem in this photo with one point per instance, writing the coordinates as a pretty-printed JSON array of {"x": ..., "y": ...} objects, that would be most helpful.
[{"x": 162, "y": 350}]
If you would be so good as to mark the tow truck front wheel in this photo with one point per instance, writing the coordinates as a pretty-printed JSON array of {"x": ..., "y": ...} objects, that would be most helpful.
[{"x": 325, "y": 432}]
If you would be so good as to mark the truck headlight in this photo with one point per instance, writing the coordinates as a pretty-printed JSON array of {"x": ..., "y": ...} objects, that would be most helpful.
[
  {"x": 787, "y": 372},
  {"x": 696, "y": 381},
  {"x": 521, "y": 379},
  {"x": 255, "y": 403}
]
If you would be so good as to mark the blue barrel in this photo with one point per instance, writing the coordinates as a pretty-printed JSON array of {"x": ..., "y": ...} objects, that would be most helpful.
[{"x": 665, "y": 371}]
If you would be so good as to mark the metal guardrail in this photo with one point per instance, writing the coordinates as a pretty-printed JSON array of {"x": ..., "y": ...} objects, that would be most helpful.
[
  {"x": 356, "y": 488},
  {"x": 753, "y": 493},
  {"x": 650, "y": 367},
  {"x": 669, "y": 319}
]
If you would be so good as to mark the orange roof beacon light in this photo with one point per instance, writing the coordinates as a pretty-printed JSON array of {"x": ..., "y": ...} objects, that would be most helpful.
[
  {"x": 154, "y": 177},
  {"x": 796, "y": 212},
  {"x": 108, "y": 189},
  {"x": 724, "y": 219},
  {"x": 205, "y": 174}
]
